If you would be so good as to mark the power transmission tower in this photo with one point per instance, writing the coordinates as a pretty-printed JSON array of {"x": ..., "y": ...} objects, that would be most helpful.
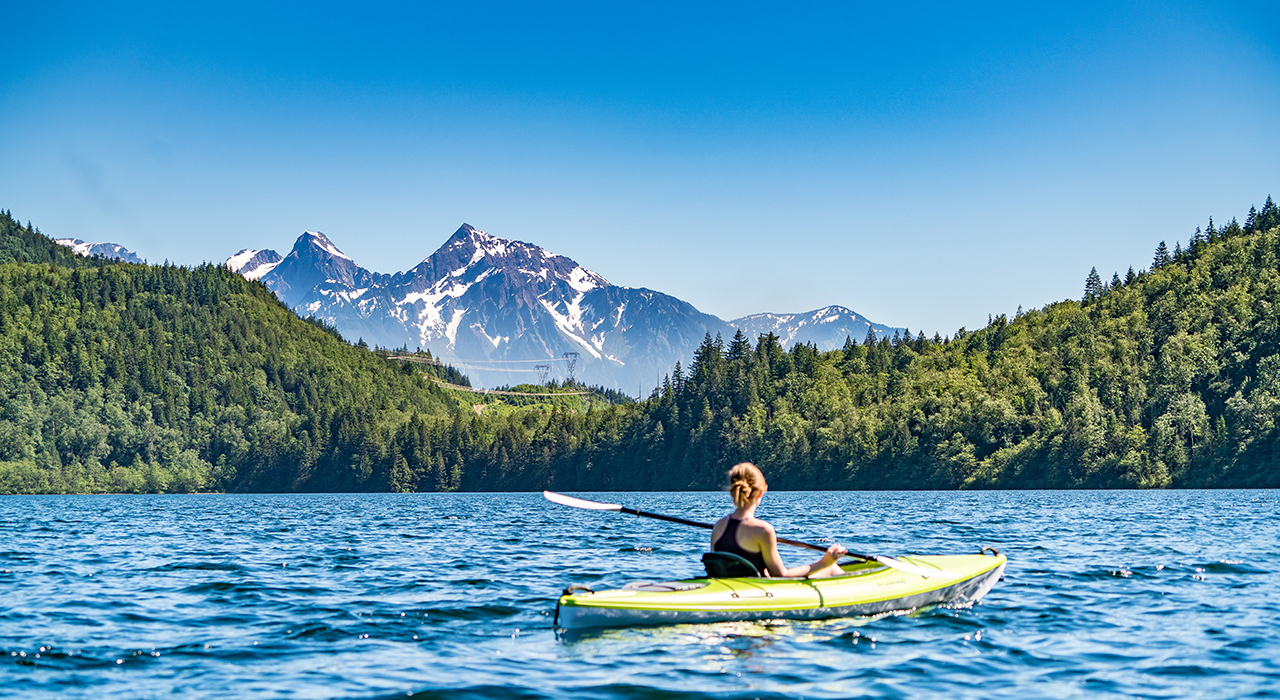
[
  {"x": 543, "y": 371},
  {"x": 572, "y": 359}
]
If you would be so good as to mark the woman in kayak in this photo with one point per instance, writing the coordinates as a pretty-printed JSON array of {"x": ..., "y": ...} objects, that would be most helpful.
[{"x": 742, "y": 533}]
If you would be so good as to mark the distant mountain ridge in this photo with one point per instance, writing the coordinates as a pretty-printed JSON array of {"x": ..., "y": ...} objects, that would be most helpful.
[
  {"x": 498, "y": 308},
  {"x": 826, "y": 328},
  {"x": 111, "y": 251}
]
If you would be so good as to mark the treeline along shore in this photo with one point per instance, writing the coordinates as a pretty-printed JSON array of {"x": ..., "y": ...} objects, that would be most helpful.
[{"x": 120, "y": 377}]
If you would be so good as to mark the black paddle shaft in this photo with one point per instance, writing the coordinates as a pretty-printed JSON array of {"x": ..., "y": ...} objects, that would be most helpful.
[{"x": 695, "y": 523}]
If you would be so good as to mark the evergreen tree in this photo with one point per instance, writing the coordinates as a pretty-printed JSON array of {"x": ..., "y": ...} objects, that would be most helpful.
[
  {"x": 1269, "y": 216},
  {"x": 1115, "y": 280},
  {"x": 1131, "y": 276},
  {"x": 1161, "y": 257},
  {"x": 1092, "y": 286},
  {"x": 850, "y": 349},
  {"x": 739, "y": 348}
]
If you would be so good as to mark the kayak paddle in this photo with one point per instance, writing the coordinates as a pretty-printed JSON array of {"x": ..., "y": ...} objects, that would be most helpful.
[{"x": 593, "y": 505}]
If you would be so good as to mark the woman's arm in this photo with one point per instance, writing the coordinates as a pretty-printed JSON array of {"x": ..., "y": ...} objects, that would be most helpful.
[{"x": 773, "y": 560}]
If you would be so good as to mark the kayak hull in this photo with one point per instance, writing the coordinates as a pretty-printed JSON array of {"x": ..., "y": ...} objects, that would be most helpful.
[{"x": 866, "y": 589}]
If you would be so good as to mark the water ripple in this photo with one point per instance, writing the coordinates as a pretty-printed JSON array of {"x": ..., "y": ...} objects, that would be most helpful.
[{"x": 1109, "y": 594}]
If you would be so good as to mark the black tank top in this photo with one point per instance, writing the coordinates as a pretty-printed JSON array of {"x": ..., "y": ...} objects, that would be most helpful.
[{"x": 728, "y": 542}]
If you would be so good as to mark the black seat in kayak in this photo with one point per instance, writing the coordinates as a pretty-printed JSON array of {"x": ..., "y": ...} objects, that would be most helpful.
[{"x": 728, "y": 565}]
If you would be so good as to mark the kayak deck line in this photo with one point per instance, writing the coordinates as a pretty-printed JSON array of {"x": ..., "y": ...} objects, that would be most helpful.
[{"x": 868, "y": 588}]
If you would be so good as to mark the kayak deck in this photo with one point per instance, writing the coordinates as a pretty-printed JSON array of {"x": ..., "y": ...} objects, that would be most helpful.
[{"x": 867, "y": 588}]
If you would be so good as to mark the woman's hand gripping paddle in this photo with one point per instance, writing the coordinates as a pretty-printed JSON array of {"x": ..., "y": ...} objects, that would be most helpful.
[{"x": 593, "y": 505}]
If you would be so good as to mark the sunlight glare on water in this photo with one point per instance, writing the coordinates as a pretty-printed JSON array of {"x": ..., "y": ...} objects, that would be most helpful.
[{"x": 1107, "y": 594}]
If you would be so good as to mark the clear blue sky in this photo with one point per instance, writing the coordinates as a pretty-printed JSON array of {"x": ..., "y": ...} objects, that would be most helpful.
[{"x": 925, "y": 165}]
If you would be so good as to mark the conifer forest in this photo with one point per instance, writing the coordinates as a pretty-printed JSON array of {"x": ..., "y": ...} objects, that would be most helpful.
[{"x": 120, "y": 377}]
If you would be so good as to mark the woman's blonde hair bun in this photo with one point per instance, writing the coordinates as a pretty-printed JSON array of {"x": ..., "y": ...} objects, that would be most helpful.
[{"x": 746, "y": 482}]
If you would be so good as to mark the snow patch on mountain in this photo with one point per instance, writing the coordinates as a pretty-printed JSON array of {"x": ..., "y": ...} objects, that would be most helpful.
[
  {"x": 322, "y": 241},
  {"x": 253, "y": 264},
  {"x": 585, "y": 280},
  {"x": 451, "y": 331},
  {"x": 237, "y": 261},
  {"x": 110, "y": 251},
  {"x": 257, "y": 272},
  {"x": 570, "y": 321},
  {"x": 494, "y": 340}
]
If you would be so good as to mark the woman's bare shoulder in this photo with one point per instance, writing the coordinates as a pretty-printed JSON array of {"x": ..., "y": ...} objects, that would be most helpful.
[{"x": 758, "y": 524}]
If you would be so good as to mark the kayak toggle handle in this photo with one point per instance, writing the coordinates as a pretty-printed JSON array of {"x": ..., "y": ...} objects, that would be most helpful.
[
  {"x": 993, "y": 550},
  {"x": 570, "y": 590}
]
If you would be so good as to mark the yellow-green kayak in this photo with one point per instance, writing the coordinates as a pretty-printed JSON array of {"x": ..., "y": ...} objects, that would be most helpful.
[{"x": 867, "y": 588}]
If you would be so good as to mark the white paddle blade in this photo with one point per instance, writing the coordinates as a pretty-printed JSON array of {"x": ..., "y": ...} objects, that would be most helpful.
[
  {"x": 578, "y": 502},
  {"x": 910, "y": 568}
]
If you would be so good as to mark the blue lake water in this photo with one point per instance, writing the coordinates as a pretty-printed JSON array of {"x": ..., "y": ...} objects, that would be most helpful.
[{"x": 1107, "y": 594}]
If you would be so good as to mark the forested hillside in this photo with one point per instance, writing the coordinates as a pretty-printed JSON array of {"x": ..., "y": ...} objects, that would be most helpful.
[
  {"x": 119, "y": 377},
  {"x": 19, "y": 244},
  {"x": 1167, "y": 377}
]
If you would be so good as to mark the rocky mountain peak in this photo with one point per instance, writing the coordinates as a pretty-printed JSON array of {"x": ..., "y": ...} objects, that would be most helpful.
[
  {"x": 499, "y": 309},
  {"x": 466, "y": 231},
  {"x": 471, "y": 253},
  {"x": 319, "y": 244},
  {"x": 313, "y": 261}
]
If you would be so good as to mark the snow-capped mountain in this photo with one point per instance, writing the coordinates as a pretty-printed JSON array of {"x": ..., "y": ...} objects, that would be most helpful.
[
  {"x": 253, "y": 264},
  {"x": 111, "y": 251},
  {"x": 313, "y": 263},
  {"x": 826, "y": 328},
  {"x": 497, "y": 308},
  {"x": 494, "y": 307}
]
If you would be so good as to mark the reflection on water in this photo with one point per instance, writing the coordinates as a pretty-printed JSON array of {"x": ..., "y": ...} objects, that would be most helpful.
[{"x": 1120, "y": 594}]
